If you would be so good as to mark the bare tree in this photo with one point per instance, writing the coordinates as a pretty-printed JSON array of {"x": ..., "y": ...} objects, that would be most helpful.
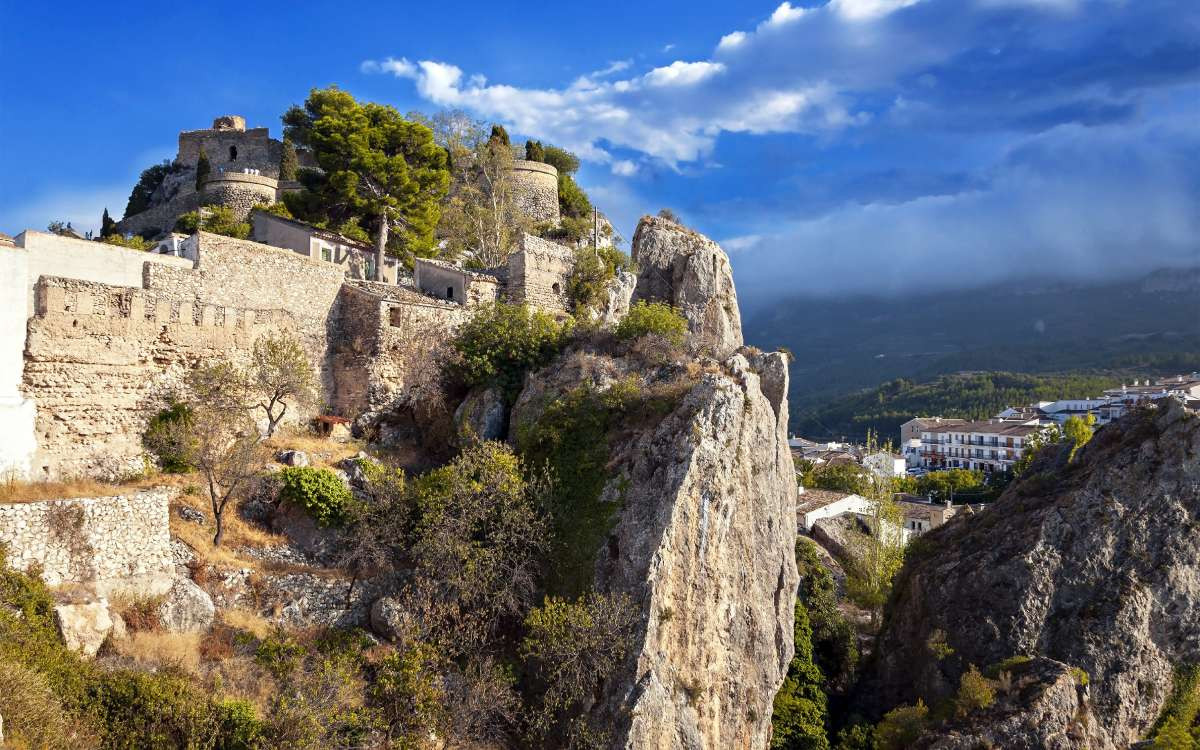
[
  {"x": 216, "y": 435},
  {"x": 280, "y": 371},
  {"x": 481, "y": 221}
]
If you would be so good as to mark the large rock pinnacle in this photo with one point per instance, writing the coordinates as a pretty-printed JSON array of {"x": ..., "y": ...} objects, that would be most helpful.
[{"x": 691, "y": 272}]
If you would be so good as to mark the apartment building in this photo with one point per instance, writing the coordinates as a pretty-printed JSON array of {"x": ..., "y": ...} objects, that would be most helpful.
[{"x": 990, "y": 445}]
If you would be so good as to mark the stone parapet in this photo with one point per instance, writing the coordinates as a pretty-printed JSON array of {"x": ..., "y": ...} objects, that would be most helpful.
[{"x": 113, "y": 544}]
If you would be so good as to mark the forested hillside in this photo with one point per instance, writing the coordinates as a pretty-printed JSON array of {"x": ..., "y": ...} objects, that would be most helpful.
[
  {"x": 1143, "y": 327},
  {"x": 968, "y": 395}
]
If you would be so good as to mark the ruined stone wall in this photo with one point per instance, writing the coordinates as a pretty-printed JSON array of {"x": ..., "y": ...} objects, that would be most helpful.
[
  {"x": 535, "y": 190},
  {"x": 386, "y": 340},
  {"x": 113, "y": 543},
  {"x": 255, "y": 150},
  {"x": 100, "y": 359},
  {"x": 538, "y": 272}
]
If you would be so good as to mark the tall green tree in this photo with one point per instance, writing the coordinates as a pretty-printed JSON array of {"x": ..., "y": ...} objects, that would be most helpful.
[
  {"x": 203, "y": 168},
  {"x": 1078, "y": 430},
  {"x": 108, "y": 227},
  {"x": 289, "y": 162},
  {"x": 376, "y": 166},
  {"x": 798, "y": 721}
]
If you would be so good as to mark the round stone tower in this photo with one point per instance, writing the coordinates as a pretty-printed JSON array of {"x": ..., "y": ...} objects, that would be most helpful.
[{"x": 535, "y": 190}]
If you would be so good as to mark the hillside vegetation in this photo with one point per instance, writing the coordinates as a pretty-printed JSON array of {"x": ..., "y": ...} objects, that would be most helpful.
[{"x": 977, "y": 395}]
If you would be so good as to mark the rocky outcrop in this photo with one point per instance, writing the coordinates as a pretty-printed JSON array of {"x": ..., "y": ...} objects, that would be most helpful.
[
  {"x": 691, "y": 272},
  {"x": 483, "y": 415},
  {"x": 187, "y": 608},
  {"x": 616, "y": 298},
  {"x": 703, "y": 545},
  {"x": 1094, "y": 563},
  {"x": 83, "y": 623}
]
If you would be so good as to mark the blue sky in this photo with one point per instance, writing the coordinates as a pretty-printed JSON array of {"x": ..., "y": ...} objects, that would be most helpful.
[{"x": 832, "y": 147}]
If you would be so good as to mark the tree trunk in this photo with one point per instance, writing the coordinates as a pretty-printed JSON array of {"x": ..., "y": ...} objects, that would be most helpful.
[
  {"x": 381, "y": 245},
  {"x": 220, "y": 536}
]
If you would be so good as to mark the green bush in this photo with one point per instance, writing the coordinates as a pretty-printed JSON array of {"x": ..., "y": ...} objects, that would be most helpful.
[
  {"x": 534, "y": 151},
  {"x": 561, "y": 159},
  {"x": 139, "y": 710},
  {"x": 216, "y": 219},
  {"x": 133, "y": 243},
  {"x": 239, "y": 726},
  {"x": 319, "y": 491},
  {"x": 170, "y": 460},
  {"x": 499, "y": 344},
  {"x": 1175, "y": 726},
  {"x": 975, "y": 692},
  {"x": 594, "y": 269},
  {"x": 203, "y": 168},
  {"x": 572, "y": 201},
  {"x": 656, "y": 318},
  {"x": 798, "y": 720},
  {"x": 1010, "y": 664},
  {"x": 901, "y": 727}
]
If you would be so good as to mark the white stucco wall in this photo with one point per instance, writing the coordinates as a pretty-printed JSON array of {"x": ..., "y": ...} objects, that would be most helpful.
[
  {"x": 17, "y": 441},
  {"x": 848, "y": 504}
]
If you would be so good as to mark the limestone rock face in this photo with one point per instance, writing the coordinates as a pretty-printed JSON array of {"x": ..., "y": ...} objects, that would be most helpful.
[
  {"x": 187, "y": 608},
  {"x": 617, "y": 297},
  {"x": 482, "y": 414},
  {"x": 686, "y": 269},
  {"x": 704, "y": 546},
  {"x": 83, "y": 624},
  {"x": 1095, "y": 564}
]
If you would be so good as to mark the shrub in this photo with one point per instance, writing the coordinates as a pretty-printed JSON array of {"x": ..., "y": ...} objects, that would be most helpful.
[
  {"x": 1007, "y": 665},
  {"x": 150, "y": 710},
  {"x": 170, "y": 458},
  {"x": 594, "y": 269},
  {"x": 799, "y": 716},
  {"x": 499, "y": 344},
  {"x": 319, "y": 491},
  {"x": 33, "y": 715},
  {"x": 150, "y": 180},
  {"x": 215, "y": 219},
  {"x": 133, "y": 243},
  {"x": 239, "y": 726},
  {"x": 901, "y": 727},
  {"x": 278, "y": 208},
  {"x": 289, "y": 163},
  {"x": 938, "y": 646},
  {"x": 975, "y": 692},
  {"x": 203, "y": 168},
  {"x": 1174, "y": 728},
  {"x": 653, "y": 318},
  {"x": 561, "y": 159},
  {"x": 534, "y": 151},
  {"x": 572, "y": 201}
]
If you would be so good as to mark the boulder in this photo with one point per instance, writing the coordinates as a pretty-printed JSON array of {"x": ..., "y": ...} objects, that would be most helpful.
[
  {"x": 1091, "y": 563},
  {"x": 687, "y": 270},
  {"x": 84, "y": 624},
  {"x": 292, "y": 458},
  {"x": 389, "y": 620},
  {"x": 187, "y": 608},
  {"x": 616, "y": 298},
  {"x": 482, "y": 414}
]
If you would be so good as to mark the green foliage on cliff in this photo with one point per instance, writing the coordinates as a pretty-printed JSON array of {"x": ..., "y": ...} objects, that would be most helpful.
[
  {"x": 500, "y": 343},
  {"x": 835, "y": 643},
  {"x": 289, "y": 162},
  {"x": 654, "y": 318},
  {"x": 320, "y": 492},
  {"x": 1177, "y": 727},
  {"x": 149, "y": 181},
  {"x": 571, "y": 439},
  {"x": 798, "y": 721},
  {"x": 594, "y": 269},
  {"x": 215, "y": 219},
  {"x": 534, "y": 151},
  {"x": 169, "y": 460},
  {"x": 901, "y": 726}
]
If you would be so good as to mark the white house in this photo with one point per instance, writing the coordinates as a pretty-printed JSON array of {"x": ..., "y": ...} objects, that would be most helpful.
[
  {"x": 884, "y": 464},
  {"x": 813, "y": 505}
]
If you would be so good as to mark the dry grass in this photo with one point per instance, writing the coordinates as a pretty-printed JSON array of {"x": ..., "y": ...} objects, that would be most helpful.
[
  {"x": 140, "y": 613},
  {"x": 321, "y": 450},
  {"x": 251, "y": 622},
  {"x": 19, "y": 491},
  {"x": 154, "y": 649},
  {"x": 238, "y": 533}
]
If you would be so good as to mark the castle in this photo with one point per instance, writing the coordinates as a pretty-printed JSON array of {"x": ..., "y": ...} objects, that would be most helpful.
[{"x": 95, "y": 337}]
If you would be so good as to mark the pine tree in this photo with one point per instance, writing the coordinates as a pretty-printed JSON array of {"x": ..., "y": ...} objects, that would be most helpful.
[
  {"x": 203, "y": 168},
  {"x": 289, "y": 163},
  {"x": 108, "y": 227},
  {"x": 534, "y": 151},
  {"x": 499, "y": 135}
]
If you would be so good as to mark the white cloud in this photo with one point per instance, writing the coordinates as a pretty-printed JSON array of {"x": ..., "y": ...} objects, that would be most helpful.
[
  {"x": 624, "y": 168},
  {"x": 786, "y": 14},
  {"x": 742, "y": 243},
  {"x": 868, "y": 10},
  {"x": 731, "y": 40},
  {"x": 680, "y": 73}
]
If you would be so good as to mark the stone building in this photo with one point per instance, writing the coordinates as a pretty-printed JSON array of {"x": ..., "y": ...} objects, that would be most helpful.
[
  {"x": 244, "y": 172},
  {"x": 451, "y": 282},
  {"x": 538, "y": 272},
  {"x": 357, "y": 258}
]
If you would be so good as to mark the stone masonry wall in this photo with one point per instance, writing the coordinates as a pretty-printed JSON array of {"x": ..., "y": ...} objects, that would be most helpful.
[
  {"x": 100, "y": 359},
  {"x": 114, "y": 543},
  {"x": 387, "y": 337},
  {"x": 161, "y": 217},
  {"x": 240, "y": 192},
  {"x": 538, "y": 272},
  {"x": 535, "y": 190}
]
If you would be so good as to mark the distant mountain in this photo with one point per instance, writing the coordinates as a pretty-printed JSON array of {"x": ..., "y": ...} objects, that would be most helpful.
[{"x": 1148, "y": 326}]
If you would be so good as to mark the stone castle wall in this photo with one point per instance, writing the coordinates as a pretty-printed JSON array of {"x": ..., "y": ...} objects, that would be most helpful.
[
  {"x": 100, "y": 359},
  {"x": 538, "y": 274},
  {"x": 535, "y": 190},
  {"x": 255, "y": 150},
  {"x": 160, "y": 218},
  {"x": 112, "y": 543},
  {"x": 240, "y": 192}
]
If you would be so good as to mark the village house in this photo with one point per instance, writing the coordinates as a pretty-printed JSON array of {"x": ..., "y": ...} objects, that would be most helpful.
[
  {"x": 357, "y": 258},
  {"x": 992, "y": 445}
]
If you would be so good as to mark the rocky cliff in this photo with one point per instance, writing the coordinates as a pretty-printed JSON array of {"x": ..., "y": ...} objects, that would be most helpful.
[
  {"x": 705, "y": 521},
  {"x": 1094, "y": 563},
  {"x": 689, "y": 271}
]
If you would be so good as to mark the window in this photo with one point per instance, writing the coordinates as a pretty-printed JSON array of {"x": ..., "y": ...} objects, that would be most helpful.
[
  {"x": 449, "y": 292},
  {"x": 326, "y": 254},
  {"x": 233, "y": 153},
  {"x": 558, "y": 290}
]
